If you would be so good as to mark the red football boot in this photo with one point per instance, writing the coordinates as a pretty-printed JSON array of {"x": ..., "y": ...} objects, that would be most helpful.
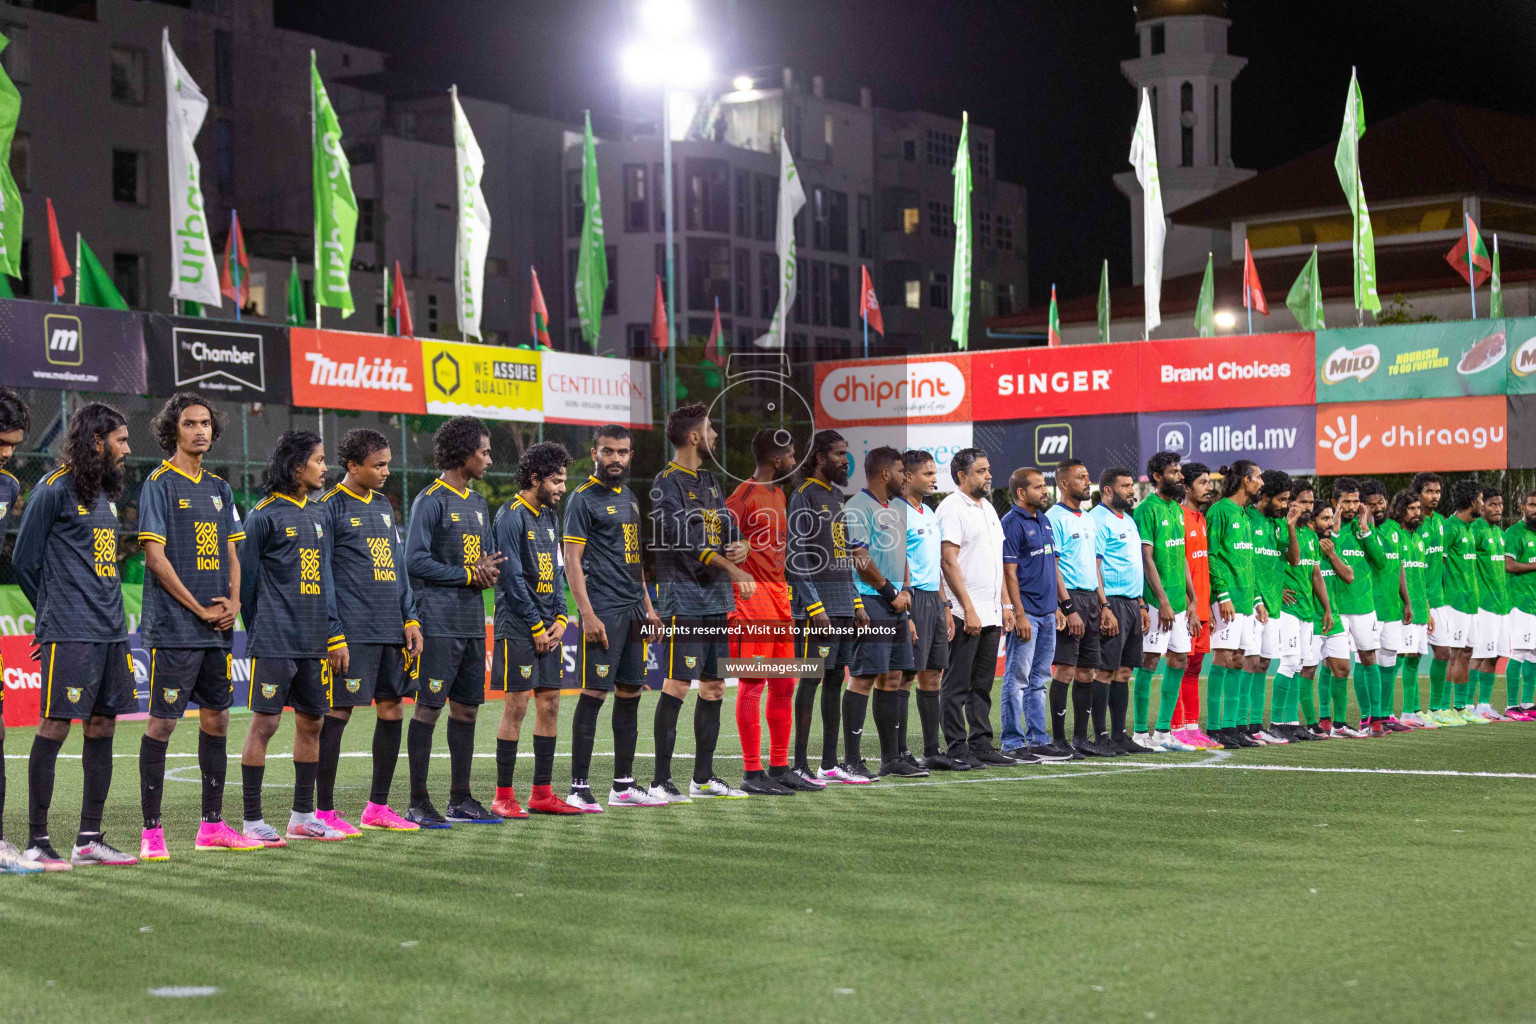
[
  {"x": 542, "y": 800},
  {"x": 506, "y": 803}
]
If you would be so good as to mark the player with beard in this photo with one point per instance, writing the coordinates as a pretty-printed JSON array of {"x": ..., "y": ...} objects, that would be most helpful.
[
  {"x": 1173, "y": 621},
  {"x": 1389, "y": 591},
  {"x": 699, "y": 551},
  {"x": 1275, "y": 549},
  {"x": 827, "y": 609},
  {"x": 932, "y": 627},
  {"x": 1304, "y": 609},
  {"x": 65, "y": 560},
  {"x": 1117, "y": 544},
  {"x": 376, "y": 611},
  {"x": 1430, "y": 491},
  {"x": 1084, "y": 606},
  {"x": 760, "y": 625},
  {"x": 1238, "y": 612},
  {"x": 1355, "y": 602},
  {"x": 1491, "y": 632},
  {"x": 1331, "y": 644},
  {"x": 189, "y": 528},
  {"x": 1520, "y": 564},
  {"x": 1408, "y": 514},
  {"x": 601, "y": 541},
  {"x": 1198, "y": 495},
  {"x": 1461, "y": 605},
  {"x": 15, "y": 421}
]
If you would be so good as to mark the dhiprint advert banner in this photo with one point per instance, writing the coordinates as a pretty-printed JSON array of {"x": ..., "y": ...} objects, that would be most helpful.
[
  {"x": 920, "y": 389},
  {"x": 1283, "y": 438},
  {"x": 1409, "y": 436},
  {"x": 1435, "y": 360}
]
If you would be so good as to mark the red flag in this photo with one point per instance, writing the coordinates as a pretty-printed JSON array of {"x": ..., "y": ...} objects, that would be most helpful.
[
  {"x": 1253, "y": 291},
  {"x": 400, "y": 306},
  {"x": 1457, "y": 257},
  {"x": 712, "y": 346},
  {"x": 56, "y": 251},
  {"x": 235, "y": 272},
  {"x": 869, "y": 306},
  {"x": 659, "y": 321},
  {"x": 538, "y": 314}
]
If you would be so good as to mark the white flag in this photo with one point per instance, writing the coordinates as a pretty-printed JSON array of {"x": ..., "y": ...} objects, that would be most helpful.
[
  {"x": 791, "y": 199},
  {"x": 196, "y": 277},
  {"x": 1153, "y": 227},
  {"x": 474, "y": 235}
]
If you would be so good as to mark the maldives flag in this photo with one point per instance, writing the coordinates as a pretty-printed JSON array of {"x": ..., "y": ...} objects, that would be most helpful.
[
  {"x": 235, "y": 271},
  {"x": 1053, "y": 324},
  {"x": 712, "y": 346},
  {"x": 1480, "y": 266},
  {"x": 538, "y": 314},
  {"x": 58, "y": 256},
  {"x": 400, "y": 306},
  {"x": 1253, "y": 291},
  {"x": 869, "y": 306},
  {"x": 659, "y": 321}
]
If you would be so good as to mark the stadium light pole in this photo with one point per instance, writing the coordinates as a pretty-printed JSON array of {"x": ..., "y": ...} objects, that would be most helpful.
[{"x": 665, "y": 56}]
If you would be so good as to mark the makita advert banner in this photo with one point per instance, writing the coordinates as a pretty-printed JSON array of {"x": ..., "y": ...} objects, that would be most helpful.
[
  {"x": 242, "y": 361},
  {"x": 71, "y": 348},
  {"x": 341, "y": 370}
]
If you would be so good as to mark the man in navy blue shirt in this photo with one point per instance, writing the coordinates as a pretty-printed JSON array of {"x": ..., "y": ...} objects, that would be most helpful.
[{"x": 1034, "y": 593}]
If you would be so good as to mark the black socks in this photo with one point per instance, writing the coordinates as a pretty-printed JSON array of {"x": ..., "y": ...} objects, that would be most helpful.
[
  {"x": 805, "y": 706},
  {"x": 855, "y": 711},
  {"x": 903, "y": 705},
  {"x": 928, "y": 715},
  {"x": 506, "y": 762},
  {"x": 40, "y": 767},
  {"x": 250, "y": 784},
  {"x": 151, "y": 779},
  {"x": 626, "y": 733},
  {"x": 1058, "y": 693},
  {"x": 888, "y": 707},
  {"x": 330, "y": 759},
  {"x": 543, "y": 760},
  {"x": 96, "y": 761},
  {"x": 304, "y": 773},
  {"x": 583, "y": 733},
  {"x": 831, "y": 716},
  {"x": 1100, "y": 706},
  {"x": 1082, "y": 690},
  {"x": 1119, "y": 700},
  {"x": 706, "y": 733},
  {"x": 667, "y": 709},
  {"x": 461, "y": 757},
  {"x": 213, "y": 765},
  {"x": 386, "y": 753},
  {"x": 418, "y": 749}
]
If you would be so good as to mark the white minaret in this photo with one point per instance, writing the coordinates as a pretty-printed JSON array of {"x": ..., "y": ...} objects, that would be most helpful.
[{"x": 1188, "y": 73}]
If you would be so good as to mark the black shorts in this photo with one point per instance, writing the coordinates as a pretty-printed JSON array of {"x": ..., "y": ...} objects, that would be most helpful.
[
  {"x": 834, "y": 648},
  {"x": 1123, "y": 650},
  {"x": 622, "y": 662},
  {"x": 180, "y": 674},
  {"x": 374, "y": 672},
  {"x": 516, "y": 666},
  {"x": 451, "y": 668},
  {"x": 1080, "y": 651},
  {"x": 694, "y": 648},
  {"x": 885, "y": 645},
  {"x": 930, "y": 614},
  {"x": 300, "y": 683},
  {"x": 84, "y": 680}
]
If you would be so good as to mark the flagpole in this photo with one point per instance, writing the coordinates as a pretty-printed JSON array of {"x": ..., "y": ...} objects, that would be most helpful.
[
  {"x": 866, "y": 334},
  {"x": 1471, "y": 266},
  {"x": 669, "y": 376},
  {"x": 1248, "y": 299},
  {"x": 234, "y": 254}
]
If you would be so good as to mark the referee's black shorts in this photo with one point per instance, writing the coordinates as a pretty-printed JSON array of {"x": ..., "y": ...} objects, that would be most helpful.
[{"x": 1080, "y": 651}]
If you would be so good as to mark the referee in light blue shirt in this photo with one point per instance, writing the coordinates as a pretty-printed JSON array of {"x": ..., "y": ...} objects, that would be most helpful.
[
  {"x": 1117, "y": 544},
  {"x": 1077, "y": 646},
  {"x": 930, "y": 617}
]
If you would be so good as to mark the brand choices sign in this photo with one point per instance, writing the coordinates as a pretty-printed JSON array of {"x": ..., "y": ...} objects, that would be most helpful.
[
  {"x": 340, "y": 370},
  {"x": 1254, "y": 370},
  {"x": 1276, "y": 438},
  {"x": 55, "y": 345},
  {"x": 921, "y": 389},
  {"x": 1434, "y": 360},
  {"x": 243, "y": 362},
  {"x": 1409, "y": 436},
  {"x": 595, "y": 390}
]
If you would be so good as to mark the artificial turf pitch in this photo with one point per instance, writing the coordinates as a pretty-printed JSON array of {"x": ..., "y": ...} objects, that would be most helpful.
[{"x": 1384, "y": 879}]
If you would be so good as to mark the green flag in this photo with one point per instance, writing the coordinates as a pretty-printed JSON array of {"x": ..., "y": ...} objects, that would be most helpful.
[
  {"x": 1205, "y": 305},
  {"x": 960, "y": 278},
  {"x": 1346, "y": 161},
  {"x": 1496, "y": 287},
  {"x": 335, "y": 205},
  {"x": 296, "y": 316},
  {"x": 190, "y": 307},
  {"x": 1104, "y": 304},
  {"x": 10, "y": 196},
  {"x": 5, "y": 288},
  {"x": 592, "y": 258},
  {"x": 1306, "y": 298},
  {"x": 93, "y": 285}
]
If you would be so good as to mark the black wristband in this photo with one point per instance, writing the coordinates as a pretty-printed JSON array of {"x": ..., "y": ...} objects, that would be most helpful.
[
  {"x": 1066, "y": 607},
  {"x": 888, "y": 592}
]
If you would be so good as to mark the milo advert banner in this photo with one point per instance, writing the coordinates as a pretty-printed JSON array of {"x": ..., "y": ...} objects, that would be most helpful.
[
  {"x": 1521, "y": 338},
  {"x": 1432, "y": 360}
]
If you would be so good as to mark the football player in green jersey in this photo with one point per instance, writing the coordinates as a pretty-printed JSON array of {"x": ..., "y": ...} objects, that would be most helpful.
[
  {"x": 1520, "y": 564},
  {"x": 1461, "y": 598}
]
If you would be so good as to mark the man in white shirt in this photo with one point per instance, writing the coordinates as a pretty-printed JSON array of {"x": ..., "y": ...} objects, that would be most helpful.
[{"x": 971, "y": 555}]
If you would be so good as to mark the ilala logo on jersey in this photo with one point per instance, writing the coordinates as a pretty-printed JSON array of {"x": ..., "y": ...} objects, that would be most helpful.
[
  {"x": 113, "y": 506},
  {"x": 5, "y": 507},
  {"x": 480, "y": 516}
]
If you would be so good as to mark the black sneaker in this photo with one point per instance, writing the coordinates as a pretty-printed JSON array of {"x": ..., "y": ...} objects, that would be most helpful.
[
  {"x": 1126, "y": 745},
  {"x": 858, "y": 768},
  {"x": 1063, "y": 752},
  {"x": 1240, "y": 738},
  {"x": 791, "y": 781},
  {"x": 899, "y": 768},
  {"x": 976, "y": 764},
  {"x": 425, "y": 815},
  {"x": 906, "y": 755},
  {"x": 469, "y": 812},
  {"x": 762, "y": 784},
  {"x": 1088, "y": 748},
  {"x": 989, "y": 756},
  {"x": 1110, "y": 745},
  {"x": 1301, "y": 734},
  {"x": 1021, "y": 755},
  {"x": 1048, "y": 752},
  {"x": 942, "y": 762}
]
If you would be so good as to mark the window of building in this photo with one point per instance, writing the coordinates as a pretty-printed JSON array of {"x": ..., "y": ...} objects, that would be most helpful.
[
  {"x": 833, "y": 348},
  {"x": 866, "y": 214},
  {"x": 1216, "y": 125},
  {"x": 837, "y": 296},
  {"x": 802, "y": 300},
  {"x": 938, "y": 289},
  {"x": 941, "y": 219},
  {"x": 914, "y": 297},
  {"x": 942, "y": 147},
  {"x": 365, "y": 214},
  {"x": 17, "y": 58},
  {"x": 832, "y": 220},
  {"x": 611, "y": 296},
  {"x": 21, "y": 160},
  {"x": 224, "y": 159},
  {"x": 575, "y": 209},
  {"x": 743, "y": 204},
  {"x": 708, "y": 187},
  {"x": 128, "y": 275},
  {"x": 709, "y": 273},
  {"x": 826, "y": 129},
  {"x": 1186, "y": 125},
  {"x": 637, "y": 198},
  {"x": 1004, "y": 225},
  {"x": 986, "y": 298},
  {"x": 637, "y": 338},
  {"x": 983, "y": 158},
  {"x": 767, "y": 284},
  {"x": 765, "y": 198},
  {"x": 909, "y": 150},
  {"x": 431, "y": 312},
  {"x": 1006, "y": 304},
  {"x": 661, "y": 260},
  {"x": 223, "y": 68},
  {"x": 130, "y": 173},
  {"x": 128, "y": 75},
  {"x": 984, "y": 229},
  {"x": 743, "y": 282},
  {"x": 658, "y": 179},
  {"x": 1159, "y": 39},
  {"x": 911, "y": 220},
  {"x": 818, "y": 293},
  {"x": 745, "y": 336}
]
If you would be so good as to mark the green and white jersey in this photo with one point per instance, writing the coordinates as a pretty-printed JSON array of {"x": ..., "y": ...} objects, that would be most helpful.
[
  {"x": 1385, "y": 579},
  {"x": 1460, "y": 566},
  {"x": 1335, "y": 588},
  {"x": 1271, "y": 539},
  {"x": 1432, "y": 530},
  {"x": 1415, "y": 553},
  {"x": 1520, "y": 546},
  {"x": 1161, "y": 524},
  {"x": 1362, "y": 554},
  {"x": 1298, "y": 577},
  {"x": 1492, "y": 588},
  {"x": 1229, "y": 535}
]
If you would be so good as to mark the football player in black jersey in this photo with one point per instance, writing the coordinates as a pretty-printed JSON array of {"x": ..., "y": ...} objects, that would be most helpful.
[{"x": 15, "y": 421}]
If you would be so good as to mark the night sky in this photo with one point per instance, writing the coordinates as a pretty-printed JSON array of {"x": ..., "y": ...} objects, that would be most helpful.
[{"x": 1045, "y": 75}]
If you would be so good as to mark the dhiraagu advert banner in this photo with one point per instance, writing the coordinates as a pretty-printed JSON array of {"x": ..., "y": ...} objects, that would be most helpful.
[
  {"x": 489, "y": 381},
  {"x": 1430, "y": 360}
]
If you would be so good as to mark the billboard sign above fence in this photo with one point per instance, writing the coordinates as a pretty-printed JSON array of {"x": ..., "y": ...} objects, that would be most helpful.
[
  {"x": 243, "y": 361},
  {"x": 1097, "y": 441},
  {"x": 1282, "y": 437},
  {"x": 1430, "y": 360},
  {"x": 919, "y": 389},
  {"x": 1254, "y": 370},
  {"x": 341, "y": 370},
  {"x": 71, "y": 348},
  {"x": 1409, "y": 436},
  {"x": 1071, "y": 381},
  {"x": 489, "y": 381},
  {"x": 596, "y": 390}
]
